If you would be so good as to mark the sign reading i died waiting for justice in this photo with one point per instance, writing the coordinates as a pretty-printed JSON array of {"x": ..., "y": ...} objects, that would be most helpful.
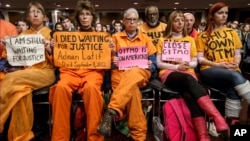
[
  {"x": 25, "y": 50},
  {"x": 76, "y": 50}
]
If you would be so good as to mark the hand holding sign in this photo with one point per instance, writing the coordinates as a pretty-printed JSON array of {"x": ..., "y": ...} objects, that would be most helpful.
[
  {"x": 25, "y": 50},
  {"x": 2, "y": 42},
  {"x": 133, "y": 57},
  {"x": 47, "y": 46},
  {"x": 115, "y": 61}
]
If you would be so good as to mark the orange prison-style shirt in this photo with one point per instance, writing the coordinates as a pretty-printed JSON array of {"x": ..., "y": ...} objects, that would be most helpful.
[
  {"x": 6, "y": 29},
  {"x": 45, "y": 32},
  {"x": 121, "y": 40}
]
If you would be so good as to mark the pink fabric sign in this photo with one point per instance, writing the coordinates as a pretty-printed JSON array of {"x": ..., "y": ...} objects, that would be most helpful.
[
  {"x": 176, "y": 51},
  {"x": 133, "y": 57}
]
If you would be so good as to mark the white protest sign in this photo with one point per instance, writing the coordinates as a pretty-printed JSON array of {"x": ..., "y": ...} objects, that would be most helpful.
[
  {"x": 25, "y": 50},
  {"x": 176, "y": 51}
]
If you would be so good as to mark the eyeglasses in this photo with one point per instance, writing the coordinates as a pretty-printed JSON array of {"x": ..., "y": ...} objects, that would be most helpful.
[
  {"x": 36, "y": 12},
  {"x": 131, "y": 19}
]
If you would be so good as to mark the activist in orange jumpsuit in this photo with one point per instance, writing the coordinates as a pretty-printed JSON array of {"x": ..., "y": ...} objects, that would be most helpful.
[
  {"x": 6, "y": 29},
  {"x": 16, "y": 87},
  {"x": 126, "y": 97},
  {"x": 87, "y": 82}
]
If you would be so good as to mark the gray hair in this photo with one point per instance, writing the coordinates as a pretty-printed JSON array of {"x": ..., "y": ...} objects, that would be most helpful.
[{"x": 129, "y": 11}]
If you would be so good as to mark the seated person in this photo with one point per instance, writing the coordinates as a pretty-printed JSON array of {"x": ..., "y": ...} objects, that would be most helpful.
[
  {"x": 87, "y": 82},
  {"x": 16, "y": 87},
  {"x": 180, "y": 75},
  {"x": 220, "y": 58},
  {"x": 126, "y": 84}
]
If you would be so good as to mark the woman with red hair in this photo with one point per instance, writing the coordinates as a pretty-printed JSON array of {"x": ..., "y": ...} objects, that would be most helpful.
[{"x": 219, "y": 55}]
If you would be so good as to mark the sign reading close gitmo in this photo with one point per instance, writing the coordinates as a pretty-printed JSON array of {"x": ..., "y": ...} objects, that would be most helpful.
[
  {"x": 132, "y": 57},
  {"x": 176, "y": 51},
  {"x": 76, "y": 50},
  {"x": 25, "y": 50}
]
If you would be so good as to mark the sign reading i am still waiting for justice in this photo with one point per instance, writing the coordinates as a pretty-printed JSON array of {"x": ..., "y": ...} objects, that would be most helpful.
[
  {"x": 132, "y": 57},
  {"x": 176, "y": 51},
  {"x": 25, "y": 50},
  {"x": 76, "y": 50}
]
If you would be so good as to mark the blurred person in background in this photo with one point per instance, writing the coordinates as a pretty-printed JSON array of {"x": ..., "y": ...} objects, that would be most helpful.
[
  {"x": 22, "y": 25},
  {"x": 67, "y": 24},
  {"x": 189, "y": 21}
]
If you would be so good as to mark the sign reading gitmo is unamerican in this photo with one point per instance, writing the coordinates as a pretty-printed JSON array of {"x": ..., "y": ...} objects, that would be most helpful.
[
  {"x": 76, "y": 50},
  {"x": 25, "y": 50}
]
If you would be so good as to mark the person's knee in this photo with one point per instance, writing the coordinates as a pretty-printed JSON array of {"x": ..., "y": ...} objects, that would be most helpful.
[
  {"x": 233, "y": 96},
  {"x": 237, "y": 78}
]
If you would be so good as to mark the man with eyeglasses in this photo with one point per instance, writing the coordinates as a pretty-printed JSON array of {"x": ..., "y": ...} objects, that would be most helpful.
[
  {"x": 153, "y": 27},
  {"x": 126, "y": 81}
]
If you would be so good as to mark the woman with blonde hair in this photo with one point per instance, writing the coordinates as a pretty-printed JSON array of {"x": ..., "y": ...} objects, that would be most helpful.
[{"x": 179, "y": 75}]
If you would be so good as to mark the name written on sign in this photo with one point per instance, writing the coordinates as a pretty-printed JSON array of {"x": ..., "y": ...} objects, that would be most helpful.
[
  {"x": 176, "y": 51},
  {"x": 132, "y": 57},
  {"x": 25, "y": 50},
  {"x": 82, "y": 50}
]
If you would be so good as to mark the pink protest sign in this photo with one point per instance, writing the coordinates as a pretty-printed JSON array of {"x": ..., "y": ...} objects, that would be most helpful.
[
  {"x": 133, "y": 57},
  {"x": 176, "y": 51}
]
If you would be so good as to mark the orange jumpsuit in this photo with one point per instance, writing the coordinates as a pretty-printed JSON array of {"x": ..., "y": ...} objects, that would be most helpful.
[
  {"x": 126, "y": 97},
  {"x": 16, "y": 94},
  {"x": 6, "y": 29},
  {"x": 88, "y": 83}
]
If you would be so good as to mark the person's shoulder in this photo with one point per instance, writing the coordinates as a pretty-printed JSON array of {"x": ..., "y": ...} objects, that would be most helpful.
[
  {"x": 188, "y": 38},
  {"x": 163, "y": 24},
  {"x": 45, "y": 28},
  {"x": 143, "y": 35},
  {"x": 6, "y": 24},
  {"x": 202, "y": 34},
  {"x": 119, "y": 34},
  {"x": 143, "y": 26}
]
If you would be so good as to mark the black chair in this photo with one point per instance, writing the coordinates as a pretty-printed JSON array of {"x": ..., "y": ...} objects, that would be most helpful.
[
  {"x": 75, "y": 104},
  {"x": 148, "y": 95},
  {"x": 164, "y": 93},
  {"x": 41, "y": 97}
]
